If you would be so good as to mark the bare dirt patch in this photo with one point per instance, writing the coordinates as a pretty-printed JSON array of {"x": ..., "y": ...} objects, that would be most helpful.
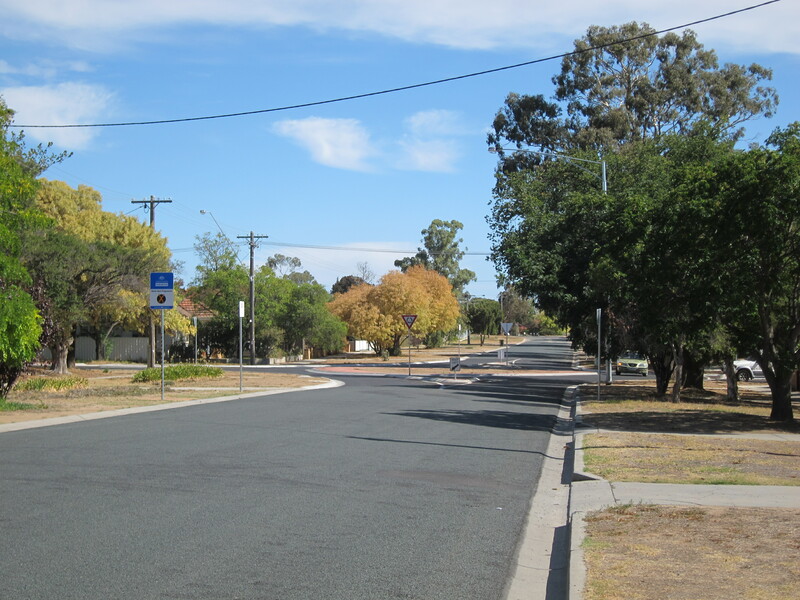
[
  {"x": 662, "y": 552},
  {"x": 656, "y": 458},
  {"x": 111, "y": 389}
]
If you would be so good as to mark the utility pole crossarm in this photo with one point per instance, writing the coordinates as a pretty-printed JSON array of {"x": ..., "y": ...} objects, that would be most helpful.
[{"x": 153, "y": 202}]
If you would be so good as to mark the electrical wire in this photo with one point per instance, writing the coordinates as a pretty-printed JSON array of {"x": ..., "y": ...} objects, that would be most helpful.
[{"x": 401, "y": 88}]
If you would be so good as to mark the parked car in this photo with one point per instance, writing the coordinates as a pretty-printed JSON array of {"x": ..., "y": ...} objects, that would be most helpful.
[
  {"x": 747, "y": 369},
  {"x": 631, "y": 362}
]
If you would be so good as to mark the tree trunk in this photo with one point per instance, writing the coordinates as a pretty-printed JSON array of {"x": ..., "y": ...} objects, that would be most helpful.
[
  {"x": 102, "y": 342},
  {"x": 397, "y": 349},
  {"x": 780, "y": 384},
  {"x": 693, "y": 372},
  {"x": 71, "y": 356},
  {"x": 59, "y": 352},
  {"x": 730, "y": 377},
  {"x": 678, "y": 354},
  {"x": 663, "y": 366}
]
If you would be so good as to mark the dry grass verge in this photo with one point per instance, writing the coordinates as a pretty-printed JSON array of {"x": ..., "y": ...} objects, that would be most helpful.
[
  {"x": 679, "y": 553},
  {"x": 671, "y": 553},
  {"x": 655, "y": 458},
  {"x": 632, "y": 407},
  {"x": 110, "y": 389}
]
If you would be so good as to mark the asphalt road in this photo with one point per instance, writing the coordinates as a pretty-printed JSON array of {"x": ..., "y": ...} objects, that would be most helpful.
[{"x": 383, "y": 488}]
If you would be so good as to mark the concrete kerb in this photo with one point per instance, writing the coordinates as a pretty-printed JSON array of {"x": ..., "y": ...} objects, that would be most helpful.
[{"x": 541, "y": 567}]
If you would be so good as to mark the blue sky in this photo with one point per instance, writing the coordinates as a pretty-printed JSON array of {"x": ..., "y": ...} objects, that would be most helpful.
[{"x": 338, "y": 184}]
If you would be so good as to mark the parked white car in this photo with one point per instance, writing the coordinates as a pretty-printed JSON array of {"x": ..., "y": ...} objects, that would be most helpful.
[{"x": 747, "y": 369}]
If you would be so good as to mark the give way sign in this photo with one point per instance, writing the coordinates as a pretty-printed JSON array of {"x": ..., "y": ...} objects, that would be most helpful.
[{"x": 409, "y": 320}]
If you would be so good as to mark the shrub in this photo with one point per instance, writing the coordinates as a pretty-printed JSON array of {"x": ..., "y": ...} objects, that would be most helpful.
[
  {"x": 177, "y": 372},
  {"x": 51, "y": 384}
]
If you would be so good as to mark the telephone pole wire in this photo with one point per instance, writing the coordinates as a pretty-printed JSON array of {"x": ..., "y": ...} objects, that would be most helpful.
[{"x": 252, "y": 243}]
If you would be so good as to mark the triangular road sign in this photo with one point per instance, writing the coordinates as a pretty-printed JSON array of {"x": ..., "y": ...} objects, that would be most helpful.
[{"x": 409, "y": 320}]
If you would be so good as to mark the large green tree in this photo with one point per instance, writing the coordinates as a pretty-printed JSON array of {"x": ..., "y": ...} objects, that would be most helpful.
[
  {"x": 220, "y": 283},
  {"x": 441, "y": 253},
  {"x": 757, "y": 195},
  {"x": 611, "y": 91},
  {"x": 483, "y": 317},
  {"x": 104, "y": 257},
  {"x": 307, "y": 322},
  {"x": 20, "y": 322},
  {"x": 559, "y": 239},
  {"x": 290, "y": 311},
  {"x": 72, "y": 278}
]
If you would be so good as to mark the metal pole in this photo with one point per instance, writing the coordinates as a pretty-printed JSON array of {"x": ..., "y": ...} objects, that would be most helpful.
[
  {"x": 599, "y": 375},
  {"x": 195, "y": 339},
  {"x": 241, "y": 316},
  {"x": 162, "y": 355},
  {"x": 409, "y": 353},
  {"x": 455, "y": 373}
]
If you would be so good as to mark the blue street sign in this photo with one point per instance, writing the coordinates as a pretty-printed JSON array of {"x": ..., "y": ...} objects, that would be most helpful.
[
  {"x": 161, "y": 281},
  {"x": 162, "y": 295}
]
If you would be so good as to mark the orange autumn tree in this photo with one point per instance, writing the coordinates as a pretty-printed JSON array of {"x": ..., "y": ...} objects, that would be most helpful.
[{"x": 374, "y": 313}]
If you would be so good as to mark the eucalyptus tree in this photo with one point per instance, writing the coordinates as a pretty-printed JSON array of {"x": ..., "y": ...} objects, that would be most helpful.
[
  {"x": 441, "y": 253},
  {"x": 631, "y": 99},
  {"x": 625, "y": 83}
]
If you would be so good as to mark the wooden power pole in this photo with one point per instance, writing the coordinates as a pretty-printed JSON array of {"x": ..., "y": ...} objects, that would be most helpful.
[
  {"x": 252, "y": 242},
  {"x": 151, "y": 356}
]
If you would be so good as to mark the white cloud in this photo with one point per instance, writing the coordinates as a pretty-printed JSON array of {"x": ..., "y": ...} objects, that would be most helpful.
[
  {"x": 456, "y": 23},
  {"x": 430, "y": 144},
  {"x": 61, "y": 104},
  {"x": 44, "y": 69},
  {"x": 337, "y": 143},
  {"x": 435, "y": 122},
  {"x": 435, "y": 155}
]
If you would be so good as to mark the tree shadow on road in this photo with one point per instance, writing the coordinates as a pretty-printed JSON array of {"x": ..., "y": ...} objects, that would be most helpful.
[{"x": 486, "y": 418}]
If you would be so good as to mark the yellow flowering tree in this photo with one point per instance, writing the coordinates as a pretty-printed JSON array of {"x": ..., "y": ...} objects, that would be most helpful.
[{"x": 374, "y": 313}]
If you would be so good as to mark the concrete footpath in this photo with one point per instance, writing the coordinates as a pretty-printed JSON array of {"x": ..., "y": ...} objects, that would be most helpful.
[{"x": 589, "y": 493}]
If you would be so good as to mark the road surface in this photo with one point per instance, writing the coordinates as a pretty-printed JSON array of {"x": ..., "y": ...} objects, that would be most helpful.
[{"x": 383, "y": 488}]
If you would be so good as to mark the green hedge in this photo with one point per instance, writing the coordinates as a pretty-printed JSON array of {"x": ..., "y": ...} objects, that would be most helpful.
[{"x": 177, "y": 372}]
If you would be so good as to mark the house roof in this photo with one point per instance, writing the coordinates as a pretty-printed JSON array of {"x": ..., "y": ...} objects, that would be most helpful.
[{"x": 195, "y": 309}]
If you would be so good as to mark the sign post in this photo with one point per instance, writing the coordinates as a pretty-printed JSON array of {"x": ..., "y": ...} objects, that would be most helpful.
[
  {"x": 162, "y": 297},
  {"x": 409, "y": 321},
  {"x": 506, "y": 327},
  {"x": 241, "y": 316},
  {"x": 599, "y": 331},
  {"x": 194, "y": 320},
  {"x": 455, "y": 365}
]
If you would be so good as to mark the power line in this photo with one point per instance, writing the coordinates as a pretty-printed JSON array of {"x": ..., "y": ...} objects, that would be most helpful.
[
  {"x": 405, "y": 87},
  {"x": 354, "y": 249},
  {"x": 341, "y": 248}
]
